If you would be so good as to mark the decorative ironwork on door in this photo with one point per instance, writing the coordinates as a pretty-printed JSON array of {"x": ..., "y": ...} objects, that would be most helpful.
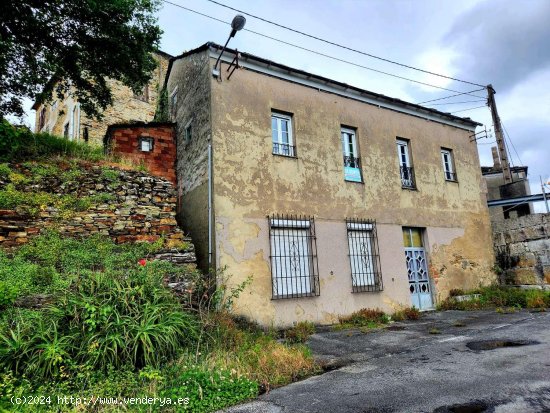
[{"x": 417, "y": 271}]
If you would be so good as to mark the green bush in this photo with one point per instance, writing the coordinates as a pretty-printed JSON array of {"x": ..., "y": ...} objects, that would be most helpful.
[
  {"x": 300, "y": 332},
  {"x": 108, "y": 309},
  {"x": 208, "y": 390},
  {"x": 5, "y": 170},
  {"x": 19, "y": 143}
]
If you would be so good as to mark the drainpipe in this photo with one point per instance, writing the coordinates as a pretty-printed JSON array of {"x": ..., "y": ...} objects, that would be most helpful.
[{"x": 209, "y": 204}]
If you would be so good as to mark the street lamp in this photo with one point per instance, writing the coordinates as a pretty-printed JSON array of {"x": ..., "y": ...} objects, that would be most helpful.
[{"x": 236, "y": 25}]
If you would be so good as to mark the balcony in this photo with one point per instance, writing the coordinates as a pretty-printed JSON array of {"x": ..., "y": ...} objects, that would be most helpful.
[
  {"x": 352, "y": 169},
  {"x": 284, "y": 149},
  {"x": 407, "y": 177},
  {"x": 450, "y": 176}
]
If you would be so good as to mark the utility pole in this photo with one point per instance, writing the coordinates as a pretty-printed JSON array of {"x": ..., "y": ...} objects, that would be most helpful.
[{"x": 506, "y": 172}]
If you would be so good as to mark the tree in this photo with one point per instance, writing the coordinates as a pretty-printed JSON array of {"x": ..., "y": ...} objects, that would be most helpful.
[{"x": 49, "y": 47}]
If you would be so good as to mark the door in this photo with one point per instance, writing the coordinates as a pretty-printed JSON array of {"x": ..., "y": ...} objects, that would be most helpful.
[{"x": 417, "y": 270}]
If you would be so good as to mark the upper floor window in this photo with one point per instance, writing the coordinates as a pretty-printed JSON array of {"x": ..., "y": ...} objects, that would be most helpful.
[
  {"x": 363, "y": 255},
  {"x": 448, "y": 164},
  {"x": 281, "y": 133},
  {"x": 42, "y": 118},
  {"x": 188, "y": 133},
  {"x": 405, "y": 164},
  {"x": 294, "y": 269},
  {"x": 143, "y": 95},
  {"x": 352, "y": 167}
]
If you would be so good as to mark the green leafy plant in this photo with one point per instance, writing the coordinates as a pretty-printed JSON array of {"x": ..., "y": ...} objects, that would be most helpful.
[
  {"x": 210, "y": 390},
  {"x": 300, "y": 332},
  {"x": 366, "y": 317},
  {"x": 410, "y": 313}
]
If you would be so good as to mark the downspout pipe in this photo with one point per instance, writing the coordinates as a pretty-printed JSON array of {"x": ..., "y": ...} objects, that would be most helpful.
[{"x": 209, "y": 204}]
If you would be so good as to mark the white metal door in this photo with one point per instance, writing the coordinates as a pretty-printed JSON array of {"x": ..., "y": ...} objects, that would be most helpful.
[{"x": 419, "y": 281}]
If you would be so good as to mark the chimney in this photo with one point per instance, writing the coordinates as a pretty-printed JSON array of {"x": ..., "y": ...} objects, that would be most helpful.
[{"x": 496, "y": 160}]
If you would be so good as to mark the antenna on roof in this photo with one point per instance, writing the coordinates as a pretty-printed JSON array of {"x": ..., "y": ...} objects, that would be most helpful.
[{"x": 236, "y": 25}]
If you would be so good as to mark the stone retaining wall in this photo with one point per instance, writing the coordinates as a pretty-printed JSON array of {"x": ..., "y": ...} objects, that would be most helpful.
[
  {"x": 141, "y": 208},
  {"x": 522, "y": 248}
]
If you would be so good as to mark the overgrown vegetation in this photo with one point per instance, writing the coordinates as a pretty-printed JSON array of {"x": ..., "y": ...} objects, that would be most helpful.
[
  {"x": 90, "y": 317},
  {"x": 300, "y": 332},
  {"x": 409, "y": 313},
  {"x": 366, "y": 317},
  {"x": 500, "y": 297},
  {"x": 19, "y": 144}
]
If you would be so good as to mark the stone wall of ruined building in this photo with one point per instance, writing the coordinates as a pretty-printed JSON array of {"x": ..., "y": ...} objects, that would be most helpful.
[{"x": 522, "y": 249}]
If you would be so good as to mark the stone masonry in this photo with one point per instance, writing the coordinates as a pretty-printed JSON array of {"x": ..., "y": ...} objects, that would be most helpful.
[
  {"x": 141, "y": 208},
  {"x": 522, "y": 248}
]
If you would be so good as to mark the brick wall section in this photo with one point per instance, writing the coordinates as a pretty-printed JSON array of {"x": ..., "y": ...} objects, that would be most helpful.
[
  {"x": 143, "y": 208},
  {"x": 161, "y": 161},
  {"x": 522, "y": 248}
]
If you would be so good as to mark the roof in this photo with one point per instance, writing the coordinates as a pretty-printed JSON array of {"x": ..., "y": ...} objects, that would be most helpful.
[
  {"x": 488, "y": 170},
  {"x": 323, "y": 80}
]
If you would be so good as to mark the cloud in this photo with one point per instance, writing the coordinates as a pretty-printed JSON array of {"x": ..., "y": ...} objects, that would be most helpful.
[{"x": 502, "y": 43}]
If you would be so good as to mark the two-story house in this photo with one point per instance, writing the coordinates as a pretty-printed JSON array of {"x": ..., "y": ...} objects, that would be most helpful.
[
  {"x": 63, "y": 117},
  {"x": 332, "y": 198}
]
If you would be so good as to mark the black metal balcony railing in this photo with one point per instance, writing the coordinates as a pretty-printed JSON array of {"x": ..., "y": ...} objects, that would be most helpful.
[
  {"x": 407, "y": 177},
  {"x": 284, "y": 149},
  {"x": 450, "y": 176},
  {"x": 351, "y": 162}
]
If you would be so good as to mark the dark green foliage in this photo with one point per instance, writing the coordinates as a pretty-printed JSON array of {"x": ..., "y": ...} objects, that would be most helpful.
[
  {"x": 49, "y": 46},
  {"x": 161, "y": 112},
  {"x": 496, "y": 296},
  {"x": 18, "y": 143},
  {"x": 210, "y": 391},
  {"x": 108, "y": 309}
]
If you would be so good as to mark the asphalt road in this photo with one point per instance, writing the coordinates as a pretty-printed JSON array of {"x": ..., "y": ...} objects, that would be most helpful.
[{"x": 408, "y": 369}]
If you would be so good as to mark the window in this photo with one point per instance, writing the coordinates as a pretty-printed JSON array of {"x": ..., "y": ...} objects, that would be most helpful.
[
  {"x": 448, "y": 164},
  {"x": 281, "y": 132},
  {"x": 144, "y": 95},
  {"x": 174, "y": 102},
  {"x": 363, "y": 256},
  {"x": 146, "y": 144},
  {"x": 294, "y": 270},
  {"x": 66, "y": 131},
  {"x": 42, "y": 118},
  {"x": 352, "y": 167},
  {"x": 188, "y": 133},
  {"x": 405, "y": 165}
]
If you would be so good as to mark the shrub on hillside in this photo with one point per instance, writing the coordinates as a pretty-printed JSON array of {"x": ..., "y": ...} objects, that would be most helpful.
[{"x": 19, "y": 143}]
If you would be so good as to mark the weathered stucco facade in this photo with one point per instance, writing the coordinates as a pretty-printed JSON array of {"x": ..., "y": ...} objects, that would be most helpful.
[
  {"x": 64, "y": 117},
  {"x": 249, "y": 183}
]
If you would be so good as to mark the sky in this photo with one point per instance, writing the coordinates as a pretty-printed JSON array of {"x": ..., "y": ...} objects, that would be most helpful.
[{"x": 498, "y": 42}]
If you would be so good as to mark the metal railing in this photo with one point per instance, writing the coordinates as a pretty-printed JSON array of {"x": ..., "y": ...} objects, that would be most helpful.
[
  {"x": 450, "y": 176},
  {"x": 351, "y": 162},
  {"x": 407, "y": 177},
  {"x": 284, "y": 149},
  {"x": 364, "y": 256},
  {"x": 294, "y": 268}
]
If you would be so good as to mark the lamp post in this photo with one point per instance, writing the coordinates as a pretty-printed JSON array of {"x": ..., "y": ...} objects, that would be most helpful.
[{"x": 236, "y": 25}]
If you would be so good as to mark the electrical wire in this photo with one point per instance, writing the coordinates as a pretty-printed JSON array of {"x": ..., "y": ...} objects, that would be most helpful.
[
  {"x": 511, "y": 143},
  {"x": 464, "y": 110},
  {"x": 457, "y": 103},
  {"x": 325, "y": 55},
  {"x": 458, "y": 94},
  {"x": 342, "y": 46}
]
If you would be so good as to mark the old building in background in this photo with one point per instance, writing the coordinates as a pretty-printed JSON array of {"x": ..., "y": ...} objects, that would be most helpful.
[
  {"x": 498, "y": 189},
  {"x": 331, "y": 198},
  {"x": 64, "y": 117}
]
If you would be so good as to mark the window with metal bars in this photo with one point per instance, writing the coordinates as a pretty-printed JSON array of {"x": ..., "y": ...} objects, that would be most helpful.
[
  {"x": 364, "y": 256},
  {"x": 294, "y": 269}
]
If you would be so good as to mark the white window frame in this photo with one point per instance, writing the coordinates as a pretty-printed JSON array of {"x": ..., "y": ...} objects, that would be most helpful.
[
  {"x": 403, "y": 149},
  {"x": 293, "y": 258},
  {"x": 346, "y": 144},
  {"x": 448, "y": 164},
  {"x": 279, "y": 119}
]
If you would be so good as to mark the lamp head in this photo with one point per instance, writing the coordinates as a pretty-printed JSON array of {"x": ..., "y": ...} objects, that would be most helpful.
[{"x": 237, "y": 24}]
